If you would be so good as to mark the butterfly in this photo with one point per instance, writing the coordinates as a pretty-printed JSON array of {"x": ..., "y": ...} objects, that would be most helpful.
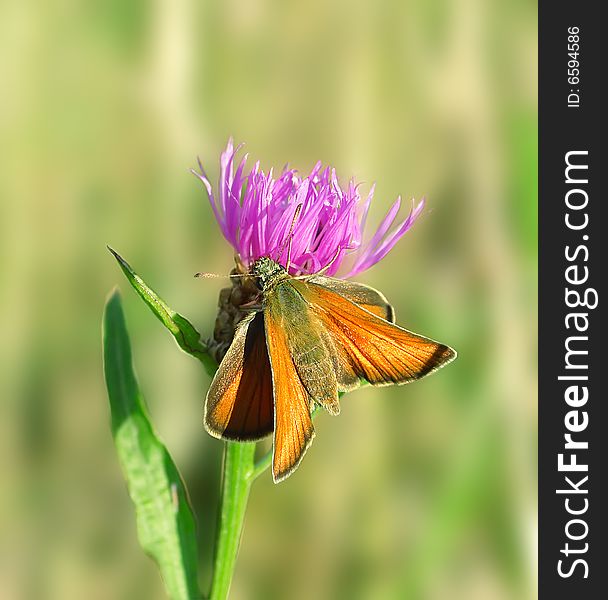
[{"x": 307, "y": 339}]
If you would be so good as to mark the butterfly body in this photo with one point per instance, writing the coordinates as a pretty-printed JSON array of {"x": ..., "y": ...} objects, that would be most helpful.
[
  {"x": 268, "y": 274},
  {"x": 306, "y": 340}
]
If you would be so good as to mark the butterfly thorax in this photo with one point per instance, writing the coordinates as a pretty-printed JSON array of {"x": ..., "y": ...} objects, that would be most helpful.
[{"x": 268, "y": 273}]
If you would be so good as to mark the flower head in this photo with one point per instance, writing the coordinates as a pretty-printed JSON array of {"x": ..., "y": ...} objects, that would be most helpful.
[{"x": 256, "y": 213}]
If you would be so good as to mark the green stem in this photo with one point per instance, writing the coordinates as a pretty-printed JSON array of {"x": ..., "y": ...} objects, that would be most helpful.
[
  {"x": 261, "y": 465},
  {"x": 237, "y": 480},
  {"x": 240, "y": 471}
]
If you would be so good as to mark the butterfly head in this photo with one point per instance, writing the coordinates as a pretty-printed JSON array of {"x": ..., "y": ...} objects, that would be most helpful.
[{"x": 267, "y": 272}]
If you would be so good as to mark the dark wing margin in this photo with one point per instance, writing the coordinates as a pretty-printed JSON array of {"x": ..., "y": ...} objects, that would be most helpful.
[{"x": 239, "y": 404}]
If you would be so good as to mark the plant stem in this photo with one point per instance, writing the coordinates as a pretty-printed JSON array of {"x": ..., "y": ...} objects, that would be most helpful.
[
  {"x": 261, "y": 465},
  {"x": 237, "y": 480}
]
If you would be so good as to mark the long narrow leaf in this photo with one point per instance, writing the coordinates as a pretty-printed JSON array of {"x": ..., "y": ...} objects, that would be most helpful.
[
  {"x": 165, "y": 523},
  {"x": 187, "y": 337}
]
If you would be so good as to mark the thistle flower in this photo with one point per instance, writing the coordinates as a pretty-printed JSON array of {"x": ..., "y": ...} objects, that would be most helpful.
[{"x": 256, "y": 212}]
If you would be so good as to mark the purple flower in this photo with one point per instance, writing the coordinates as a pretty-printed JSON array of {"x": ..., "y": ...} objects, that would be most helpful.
[{"x": 255, "y": 212}]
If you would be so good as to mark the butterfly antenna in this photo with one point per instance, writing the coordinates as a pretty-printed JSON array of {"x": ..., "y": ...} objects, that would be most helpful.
[
  {"x": 289, "y": 238},
  {"x": 331, "y": 262},
  {"x": 324, "y": 269},
  {"x": 216, "y": 276},
  {"x": 240, "y": 268}
]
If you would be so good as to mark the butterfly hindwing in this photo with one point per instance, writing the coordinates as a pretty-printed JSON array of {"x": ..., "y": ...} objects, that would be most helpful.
[{"x": 363, "y": 295}]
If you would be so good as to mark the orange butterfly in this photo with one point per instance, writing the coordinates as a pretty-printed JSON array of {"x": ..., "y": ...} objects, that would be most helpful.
[{"x": 311, "y": 337}]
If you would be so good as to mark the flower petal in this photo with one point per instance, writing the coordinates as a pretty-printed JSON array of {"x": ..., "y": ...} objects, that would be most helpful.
[{"x": 255, "y": 212}]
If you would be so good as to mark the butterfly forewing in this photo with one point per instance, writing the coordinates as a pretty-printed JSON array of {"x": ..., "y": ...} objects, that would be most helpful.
[
  {"x": 293, "y": 429},
  {"x": 239, "y": 403},
  {"x": 310, "y": 347},
  {"x": 371, "y": 347}
]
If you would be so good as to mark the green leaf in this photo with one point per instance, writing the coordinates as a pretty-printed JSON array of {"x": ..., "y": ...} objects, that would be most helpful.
[
  {"x": 187, "y": 337},
  {"x": 165, "y": 523}
]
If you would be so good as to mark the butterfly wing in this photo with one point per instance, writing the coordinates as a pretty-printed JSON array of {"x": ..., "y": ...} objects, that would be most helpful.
[
  {"x": 293, "y": 429},
  {"x": 303, "y": 370},
  {"x": 239, "y": 403},
  {"x": 363, "y": 295},
  {"x": 370, "y": 347}
]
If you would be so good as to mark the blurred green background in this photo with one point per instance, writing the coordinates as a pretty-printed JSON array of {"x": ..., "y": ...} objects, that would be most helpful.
[{"x": 422, "y": 492}]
